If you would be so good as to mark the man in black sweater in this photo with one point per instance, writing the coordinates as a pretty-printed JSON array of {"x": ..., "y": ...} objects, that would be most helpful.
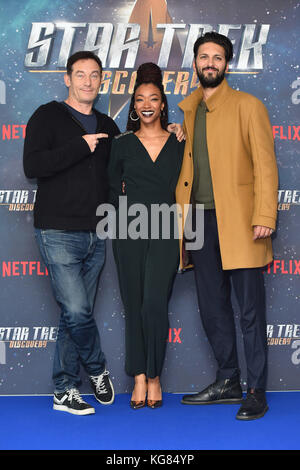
[{"x": 66, "y": 148}]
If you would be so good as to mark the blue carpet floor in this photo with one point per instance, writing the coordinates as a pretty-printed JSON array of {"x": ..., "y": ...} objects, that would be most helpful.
[{"x": 29, "y": 423}]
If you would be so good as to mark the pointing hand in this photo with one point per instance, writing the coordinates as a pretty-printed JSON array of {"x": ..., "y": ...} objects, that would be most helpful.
[{"x": 93, "y": 139}]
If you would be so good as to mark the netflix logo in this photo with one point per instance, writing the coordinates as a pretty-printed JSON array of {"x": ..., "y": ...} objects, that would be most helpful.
[
  {"x": 281, "y": 266},
  {"x": 23, "y": 268},
  {"x": 13, "y": 131},
  {"x": 174, "y": 335},
  {"x": 286, "y": 132}
]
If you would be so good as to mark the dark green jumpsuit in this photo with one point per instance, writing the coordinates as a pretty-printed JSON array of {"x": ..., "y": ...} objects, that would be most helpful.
[{"x": 146, "y": 266}]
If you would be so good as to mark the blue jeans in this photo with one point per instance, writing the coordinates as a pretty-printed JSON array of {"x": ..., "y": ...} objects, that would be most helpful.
[{"x": 74, "y": 260}]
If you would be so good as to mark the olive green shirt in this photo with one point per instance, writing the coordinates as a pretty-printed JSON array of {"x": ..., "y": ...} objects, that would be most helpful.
[{"x": 202, "y": 192}]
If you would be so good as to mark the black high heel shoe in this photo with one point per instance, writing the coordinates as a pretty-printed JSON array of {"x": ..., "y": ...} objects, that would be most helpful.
[
  {"x": 154, "y": 404},
  {"x": 136, "y": 405}
]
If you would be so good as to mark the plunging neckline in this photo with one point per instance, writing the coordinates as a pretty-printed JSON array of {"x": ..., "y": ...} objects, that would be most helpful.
[{"x": 161, "y": 150}]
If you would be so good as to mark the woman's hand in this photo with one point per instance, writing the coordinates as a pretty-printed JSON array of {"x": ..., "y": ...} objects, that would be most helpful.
[{"x": 177, "y": 129}]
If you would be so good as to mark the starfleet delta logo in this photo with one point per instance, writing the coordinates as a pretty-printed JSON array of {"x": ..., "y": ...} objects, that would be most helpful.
[{"x": 150, "y": 35}]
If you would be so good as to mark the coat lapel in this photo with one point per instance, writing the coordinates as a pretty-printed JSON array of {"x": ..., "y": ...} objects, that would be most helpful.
[{"x": 189, "y": 106}]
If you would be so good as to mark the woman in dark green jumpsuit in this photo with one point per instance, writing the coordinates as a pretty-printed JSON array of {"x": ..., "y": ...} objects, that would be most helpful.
[{"x": 145, "y": 166}]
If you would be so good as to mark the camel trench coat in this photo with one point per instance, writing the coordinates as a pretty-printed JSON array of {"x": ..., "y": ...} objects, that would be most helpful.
[{"x": 243, "y": 170}]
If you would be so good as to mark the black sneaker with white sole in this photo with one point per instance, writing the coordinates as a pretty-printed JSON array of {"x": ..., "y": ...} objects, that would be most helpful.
[
  {"x": 103, "y": 388},
  {"x": 71, "y": 401}
]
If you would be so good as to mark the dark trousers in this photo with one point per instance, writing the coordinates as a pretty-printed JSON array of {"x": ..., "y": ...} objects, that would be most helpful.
[
  {"x": 146, "y": 270},
  {"x": 214, "y": 297}
]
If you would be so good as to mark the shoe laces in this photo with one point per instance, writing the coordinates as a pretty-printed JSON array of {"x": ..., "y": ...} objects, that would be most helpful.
[
  {"x": 74, "y": 395},
  {"x": 100, "y": 382}
]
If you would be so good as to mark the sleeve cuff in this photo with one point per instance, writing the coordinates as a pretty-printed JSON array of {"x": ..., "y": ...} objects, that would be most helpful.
[{"x": 264, "y": 221}]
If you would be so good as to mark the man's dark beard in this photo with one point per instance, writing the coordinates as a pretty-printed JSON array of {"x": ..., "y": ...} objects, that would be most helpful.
[{"x": 211, "y": 82}]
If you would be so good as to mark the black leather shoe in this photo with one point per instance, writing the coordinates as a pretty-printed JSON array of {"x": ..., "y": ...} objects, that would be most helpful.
[
  {"x": 226, "y": 391},
  {"x": 254, "y": 406}
]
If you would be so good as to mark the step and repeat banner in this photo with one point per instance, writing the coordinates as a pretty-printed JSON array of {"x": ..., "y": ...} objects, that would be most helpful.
[{"x": 36, "y": 38}]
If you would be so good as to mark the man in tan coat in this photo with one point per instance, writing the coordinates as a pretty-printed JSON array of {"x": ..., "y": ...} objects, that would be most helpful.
[{"x": 229, "y": 166}]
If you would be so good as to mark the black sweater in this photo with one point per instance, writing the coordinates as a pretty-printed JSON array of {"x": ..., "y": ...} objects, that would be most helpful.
[{"x": 71, "y": 180}]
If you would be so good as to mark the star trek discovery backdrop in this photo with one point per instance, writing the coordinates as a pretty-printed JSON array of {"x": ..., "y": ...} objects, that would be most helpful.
[{"x": 36, "y": 38}]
